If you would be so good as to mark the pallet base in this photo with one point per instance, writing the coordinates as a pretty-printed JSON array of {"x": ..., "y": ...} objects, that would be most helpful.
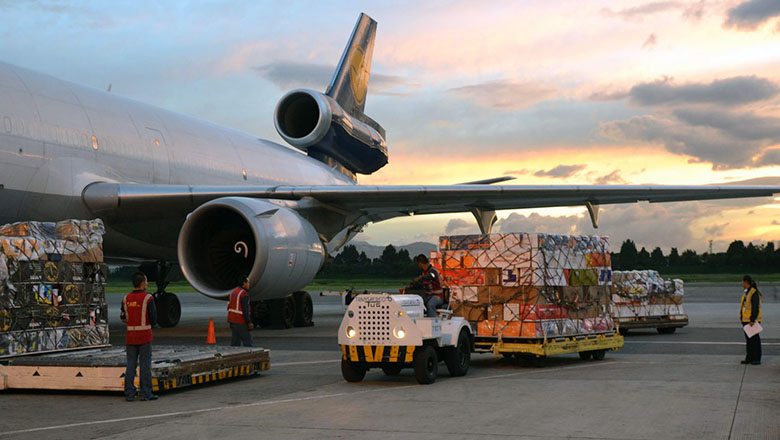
[
  {"x": 653, "y": 322},
  {"x": 104, "y": 370},
  {"x": 577, "y": 344}
]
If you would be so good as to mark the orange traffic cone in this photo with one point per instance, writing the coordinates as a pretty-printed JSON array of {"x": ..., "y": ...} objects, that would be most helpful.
[{"x": 211, "y": 339}]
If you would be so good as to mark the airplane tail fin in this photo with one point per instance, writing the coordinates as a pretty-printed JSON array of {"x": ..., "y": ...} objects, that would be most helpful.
[{"x": 349, "y": 85}]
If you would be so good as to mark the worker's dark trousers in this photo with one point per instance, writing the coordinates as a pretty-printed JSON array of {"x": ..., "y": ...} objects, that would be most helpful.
[
  {"x": 144, "y": 352},
  {"x": 240, "y": 335},
  {"x": 753, "y": 348}
]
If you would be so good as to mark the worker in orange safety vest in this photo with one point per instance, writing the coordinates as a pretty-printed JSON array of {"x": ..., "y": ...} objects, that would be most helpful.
[
  {"x": 139, "y": 313},
  {"x": 239, "y": 315}
]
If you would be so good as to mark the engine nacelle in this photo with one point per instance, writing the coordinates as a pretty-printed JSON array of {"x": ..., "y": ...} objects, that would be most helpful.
[
  {"x": 316, "y": 123},
  {"x": 226, "y": 238}
]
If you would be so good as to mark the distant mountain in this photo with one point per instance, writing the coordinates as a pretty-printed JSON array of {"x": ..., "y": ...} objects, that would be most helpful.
[{"x": 373, "y": 251}]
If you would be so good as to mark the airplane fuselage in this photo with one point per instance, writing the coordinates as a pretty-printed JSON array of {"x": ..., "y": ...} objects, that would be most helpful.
[{"x": 57, "y": 137}]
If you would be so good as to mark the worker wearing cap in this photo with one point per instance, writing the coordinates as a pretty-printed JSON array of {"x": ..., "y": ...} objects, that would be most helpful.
[
  {"x": 750, "y": 314},
  {"x": 238, "y": 315},
  {"x": 139, "y": 313},
  {"x": 430, "y": 281}
]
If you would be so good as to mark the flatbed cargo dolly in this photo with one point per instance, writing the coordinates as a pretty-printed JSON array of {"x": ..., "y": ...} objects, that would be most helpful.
[
  {"x": 390, "y": 332},
  {"x": 588, "y": 346},
  {"x": 665, "y": 325},
  {"x": 103, "y": 369}
]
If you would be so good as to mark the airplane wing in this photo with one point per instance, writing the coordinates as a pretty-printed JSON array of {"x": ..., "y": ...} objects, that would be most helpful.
[{"x": 382, "y": 202}]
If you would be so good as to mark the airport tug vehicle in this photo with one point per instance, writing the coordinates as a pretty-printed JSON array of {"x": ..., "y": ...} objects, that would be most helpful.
[{"x": 391, "y": 332}]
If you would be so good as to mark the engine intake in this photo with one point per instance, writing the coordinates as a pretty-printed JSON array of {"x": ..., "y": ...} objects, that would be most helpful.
[
  {"x": 316, "y": 123},
  {"x": 230, "y": 237}
]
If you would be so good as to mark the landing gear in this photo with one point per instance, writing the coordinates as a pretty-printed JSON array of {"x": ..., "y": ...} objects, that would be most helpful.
[
  {"x": 296, "y": 310},
  {"x": 167, "y": 304}
]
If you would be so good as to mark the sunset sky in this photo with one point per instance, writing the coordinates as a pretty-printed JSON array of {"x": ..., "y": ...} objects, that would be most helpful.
[{"x": 567, "y": 92}]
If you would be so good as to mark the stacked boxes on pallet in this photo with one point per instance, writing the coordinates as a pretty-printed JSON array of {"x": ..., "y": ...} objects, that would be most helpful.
[
  {"x": 52, "y": 287},
  {"x": 520, "y": 285},
  {"x": 644, "y": 294}
]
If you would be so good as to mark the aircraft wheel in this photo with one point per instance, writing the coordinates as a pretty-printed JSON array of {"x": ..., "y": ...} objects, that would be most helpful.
[
  {"x": 426, "y": 365},
  {"x": 283, "y": 311},
  {"x": 304, "y": 309},
  {"x": 168, "y": 309},
  {"x": 352, "y": 371},
  {"x": 458, "y": 358},
  {"x": 598, "y": 355}
]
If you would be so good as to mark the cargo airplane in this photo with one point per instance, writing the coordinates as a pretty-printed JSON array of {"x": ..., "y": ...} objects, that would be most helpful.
[{"x": 173, "y": 189}]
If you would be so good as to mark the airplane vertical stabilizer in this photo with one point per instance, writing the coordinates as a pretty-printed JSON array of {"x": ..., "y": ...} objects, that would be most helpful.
[{"x": 349, "y": 85}]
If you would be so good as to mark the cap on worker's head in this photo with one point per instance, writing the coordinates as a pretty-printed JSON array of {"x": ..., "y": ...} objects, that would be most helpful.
[{"x": 421, "y": 259}]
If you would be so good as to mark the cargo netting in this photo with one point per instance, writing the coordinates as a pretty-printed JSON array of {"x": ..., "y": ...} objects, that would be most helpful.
[
  {"x": 645, "y": 294},
  {"x": 520, "y": 285},
  {"x": 52, "y": 287}
]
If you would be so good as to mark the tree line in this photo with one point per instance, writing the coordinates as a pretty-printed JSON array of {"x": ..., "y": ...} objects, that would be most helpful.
[
  {"x": 738, "y": 258},
  {"x": 392, "y": 263}
]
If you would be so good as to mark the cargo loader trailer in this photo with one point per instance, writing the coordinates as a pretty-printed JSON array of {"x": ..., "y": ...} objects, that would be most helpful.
[
  {"x": 594, "y": 345},
  {"x": 103, "y": 369},
  {"x": 663, "y": 324}
]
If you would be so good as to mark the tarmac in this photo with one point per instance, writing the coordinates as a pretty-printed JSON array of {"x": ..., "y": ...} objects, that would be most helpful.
[{"x": 686, "y": 385}]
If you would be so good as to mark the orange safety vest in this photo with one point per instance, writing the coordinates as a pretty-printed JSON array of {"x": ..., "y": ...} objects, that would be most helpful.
[
  {"x": 235, "y": 312},
  {"x": 139, "y": 330}
]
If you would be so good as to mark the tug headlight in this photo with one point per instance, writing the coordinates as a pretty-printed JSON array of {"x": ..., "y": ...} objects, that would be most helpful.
[
  {"x": 399, "y": 332},
  {"x": 351, "y": 332}
]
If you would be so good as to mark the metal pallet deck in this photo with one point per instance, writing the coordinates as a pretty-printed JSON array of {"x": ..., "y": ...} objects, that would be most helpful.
[{"x": 103, "y": 369}]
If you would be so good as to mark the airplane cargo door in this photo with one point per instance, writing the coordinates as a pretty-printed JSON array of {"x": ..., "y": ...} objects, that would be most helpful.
[{"x": 159, "y": 149}]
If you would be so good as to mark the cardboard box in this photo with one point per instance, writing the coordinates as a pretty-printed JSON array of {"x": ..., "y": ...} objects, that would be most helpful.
[
  {"x": 506, "y": 329},
  {"x": 470, "y": 312}
]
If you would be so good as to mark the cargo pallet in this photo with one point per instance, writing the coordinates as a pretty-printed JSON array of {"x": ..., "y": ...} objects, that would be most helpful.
[
  {"x": 586, "y": 345},
  {"x": 103, "y": 369},
  {"x": 657, "y": 322}
]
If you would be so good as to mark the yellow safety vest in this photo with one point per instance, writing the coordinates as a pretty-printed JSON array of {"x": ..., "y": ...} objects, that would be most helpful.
[{"x": 746, "y": 305}]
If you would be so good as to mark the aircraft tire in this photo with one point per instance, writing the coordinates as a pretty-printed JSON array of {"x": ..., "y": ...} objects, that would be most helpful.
[
  {"x": 168, "y": 310},
  {"x": 304, "y": 309},
  {"x": 282, "y": 311}
]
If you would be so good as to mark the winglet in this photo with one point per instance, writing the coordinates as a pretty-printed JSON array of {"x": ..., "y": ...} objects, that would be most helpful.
[{"x": 349, "y": 85}]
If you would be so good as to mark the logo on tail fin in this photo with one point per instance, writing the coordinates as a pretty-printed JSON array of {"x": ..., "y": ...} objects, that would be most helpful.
[{"x": 358, "y": 75}]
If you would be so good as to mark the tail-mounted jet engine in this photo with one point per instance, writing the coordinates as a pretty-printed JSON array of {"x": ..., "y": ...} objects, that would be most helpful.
[{"x": 316, "y": 123}]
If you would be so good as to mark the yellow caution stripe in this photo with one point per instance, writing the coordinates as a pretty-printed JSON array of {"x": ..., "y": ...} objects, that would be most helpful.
[{"x": 378, "y": 353}]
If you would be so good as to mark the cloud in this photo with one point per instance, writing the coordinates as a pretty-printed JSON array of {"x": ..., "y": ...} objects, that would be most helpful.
[
  {"x": 458, "y": 226},
  {"x": 638, "y": 12},
  {"x": 750, "y": 14},
  {"x": 513, "y": 172},
  {"x": 561, "y": 171},
  {"x": 651, "y": 41},
  {"x": 504, "y": 95},
  {"x": 716, "y": 230},
  {"x": 737, "y": 90},
  {"x": 611, "y": 178},
  {"x": 608, "y": 95},
  {"x": 291, "y": 74},
  {"x": 703, "y": 143}
]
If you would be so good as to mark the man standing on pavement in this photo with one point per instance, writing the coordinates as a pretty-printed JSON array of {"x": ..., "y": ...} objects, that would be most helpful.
[
  {"x": 239, "y": 315},
  {"x": 139, "y": 313},
  {"x": 750, "y": 314}
]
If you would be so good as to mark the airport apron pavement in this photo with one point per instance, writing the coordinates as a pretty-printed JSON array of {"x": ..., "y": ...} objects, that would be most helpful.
[{"x": 686, "y": 385}]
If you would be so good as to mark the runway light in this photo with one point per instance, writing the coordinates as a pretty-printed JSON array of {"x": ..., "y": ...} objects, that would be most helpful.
[
  {"x": 399, "y": 332},
  {"x": 351, "y": 332}
]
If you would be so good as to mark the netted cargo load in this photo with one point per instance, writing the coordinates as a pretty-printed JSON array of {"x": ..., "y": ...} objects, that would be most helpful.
[
  {"x": 52, "y": 287},
  {"x": 521, "y": 285},
  {"x": 645, "y": 294}
]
